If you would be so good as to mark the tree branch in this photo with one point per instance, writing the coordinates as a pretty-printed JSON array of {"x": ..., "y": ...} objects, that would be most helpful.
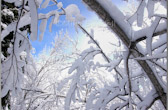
[{"x": 105, "y": 16}]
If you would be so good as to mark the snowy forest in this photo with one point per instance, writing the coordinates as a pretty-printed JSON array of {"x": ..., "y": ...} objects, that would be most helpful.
[{"x": 133, "y": 76}]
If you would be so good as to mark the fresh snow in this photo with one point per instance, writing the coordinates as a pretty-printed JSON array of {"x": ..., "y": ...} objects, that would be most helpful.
[
  {"x": 25, "y": 20},
  {"x": 8, "y": 12},
  {"x": 59, "y": 5},
  {"x": 89, "y": 85},
  {"x": 45, "y": 4},
  {"x": 11, "y": 27},
  {"x": 155, "y": 56},
  {"x": 150, "y": 8},
  {"x": 42, "y": 28},
  {"x": 149, "y": 35},
  {"x": 143, "y": 32},
  {"x": 10, "y": 1},
  {"x": 140, "y": 13},
  {"x": 119, "y": 19},
  {"x": 73, "y": 14},
  {"x": 34, "y": 19}
]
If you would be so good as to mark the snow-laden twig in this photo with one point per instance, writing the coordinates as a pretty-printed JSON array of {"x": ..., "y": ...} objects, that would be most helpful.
[
  {"x": 155, "y": 56},
  {"x": 106, "y": 11}
]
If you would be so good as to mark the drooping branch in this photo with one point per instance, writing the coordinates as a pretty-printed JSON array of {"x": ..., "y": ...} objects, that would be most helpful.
[
  {"x": 106, "y": 58},
  {"x": 101, "y": 51}
]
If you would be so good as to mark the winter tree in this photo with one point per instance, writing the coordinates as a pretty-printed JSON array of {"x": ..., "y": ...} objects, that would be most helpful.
[
  {"x": 134, "y": 79},
  {"x": 19, "y": 26},
  {"x": 153, "y": 37},
  {"x": 144, "y": 37}
]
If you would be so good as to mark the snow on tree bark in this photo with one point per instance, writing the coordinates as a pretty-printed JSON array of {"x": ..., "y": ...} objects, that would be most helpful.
[{"x": 114, "y": 25}]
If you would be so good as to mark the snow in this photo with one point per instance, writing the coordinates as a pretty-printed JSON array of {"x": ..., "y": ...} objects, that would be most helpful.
[
  {"x": 161, "y": 81},
  {"x": 25, "y": 20},
  {"x": 12, "y": 75},
  {"x": 149, "y": 35},
  {"x": 9, "y": 28},
  {"x": 162, "y": 40},
  {"x": 9, "y": 50},
  {"x": 2, "y": 57},
  {"x": 23, "y": 54},
  {"x": 119, "y": 105},
  {"x": 46, "y": 16},
  {"x": 140, "y": 13},
  {"x": 135, "y": 86},
  {"x": 92, "y": 33},
  {"x": 156, "y": 9},
  {"x": 6, "y": 62},
  {"x": 38, "y": 2},
  {"x": 42, "y": 28},
  {"x": 89, "y": 103},
  {"x": 54, "y": 20},
  {"x": 105, "y": 95},
  {"x": 114, "y": 63},
  {"x": 75, "y": 65},
  {"x": 56, "y": 17},
  {"x": 3, "y": 25},
  {"x": 132, "y": 19},
  {"x": 141, "y": 33},
  {"x": 155, "y": 56},
  {"x": 81, "y": 72},
  {"x": 18, "y": 3},
  {"x": 160, "y": 8},
  {"x": 136, "y": 72},
  {"x": 4, "y": 91},
  {"x": 147, "y": 101},
  {"x": 161, "y": 49},
  {"x": 34, "y": 20},
  {"x": 59, "y": 5},
  {"x": 150, "y": 8},
  {"x": 8, "y": 12},
  {"x": 79, "y": 66},
  {"x": 73, "y": 13},
  {"x": 155, "y": 45},
  {"x": 10, "y": 1},
  {"x": 8, "y": 84},
  {"x": 45, "y": 4},
  {"x": 102, "y": 34},
  {"x": 119, "y": 19},
  {"x": 51, "y": 23}
]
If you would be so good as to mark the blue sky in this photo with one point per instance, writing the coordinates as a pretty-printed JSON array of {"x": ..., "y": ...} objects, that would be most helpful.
[{"x": 63, "y": 24}]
